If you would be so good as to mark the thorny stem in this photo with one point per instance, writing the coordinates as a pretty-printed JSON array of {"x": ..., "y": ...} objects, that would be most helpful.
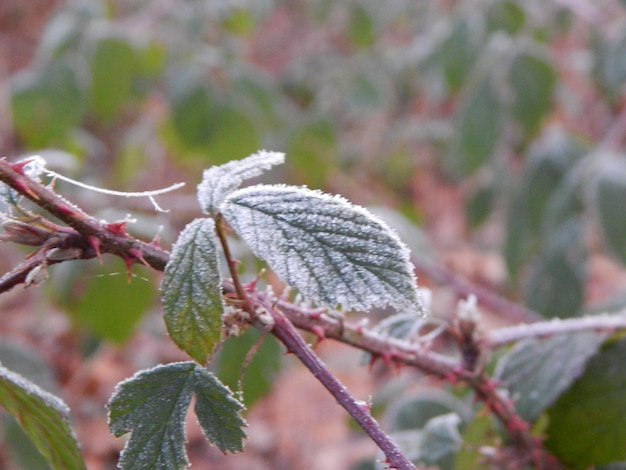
[
  {"x": 284, "y": 331},
  {"x": 287, "y": 314}
]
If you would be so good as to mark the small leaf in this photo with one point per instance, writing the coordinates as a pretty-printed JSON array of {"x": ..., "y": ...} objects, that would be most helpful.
[
  {"x": 152, "y": 405},
  {"x": 262, "y": 370},
  {"x": 533, "y": 80},
  {"x": 47, "y": 104},
  {"x": 219, "y": 181},
  {"x": 555, "y": 282},
  {"x": 537, "y": 371},
  {"x": 588, "y": 423},
  {"x": 610, "y": 194},
  {"x": 43, "y": 417},
  {"x": 479, "y": 124},
  {"x": 114, "y": 66},
  {"x": 332, "y": 251},
  {"x": 192, "y": 291},
  {"x": 218, "y": 412}
]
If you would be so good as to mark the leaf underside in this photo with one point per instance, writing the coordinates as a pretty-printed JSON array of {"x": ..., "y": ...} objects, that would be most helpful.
[
  {"x": 332, "y": 251},
  {"x": 192, "y": 291},
  {"x": 219, "y": 181}
]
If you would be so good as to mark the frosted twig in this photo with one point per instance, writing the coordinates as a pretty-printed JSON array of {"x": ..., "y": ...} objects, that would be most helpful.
[{"x": 37, "y": 165}]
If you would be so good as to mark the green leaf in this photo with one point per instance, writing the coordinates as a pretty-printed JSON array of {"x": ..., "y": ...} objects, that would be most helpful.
[
  {"x": 191, "y": 112},
  {"x": 549, "y": 163},
  {"x": 416, "y": 410},
  {"x": 313, "y": 152},
  {"x": 100, "y": 297},
  {"x": 152, "y": 406},
  {"x": 332, "y": 251},
  {"x": 555, "y": 282},
  {"x": 588, "y": 423},
  {"x": 478, "y": 434},
  {"x": 191, "y": 291},
  {"x": 505, "y": 16},
  {"x": 533, "y": 80},
  {"x": 114, "y": 67},
  {"x": 479, "y": 125},
  {"x": 259, "y": 375},
  {"x": 610, "y": 196},
  {"x": 435, "y": 444},
  {"x": 219, "y": 181},
  {"x": 46, "y": 104},
  {"x": 610, "y": 64},
  {"x": 361, "y": 27},
  {"x": 537, "y": 371},
  {"x": 218, "y": 412},
  {"x": 459, "y": 51},
  {"x": 43, "y": 417},
  {"x": 479, "y": 206}
]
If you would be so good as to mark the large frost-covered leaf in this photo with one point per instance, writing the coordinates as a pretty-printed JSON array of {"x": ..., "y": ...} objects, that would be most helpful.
[
  {"x": 152, "y": 405},
  {"x": 44, "y": 419},
  {"x": 192, "y": 291},
  {"x": 332, "y": 251},
  {"x": 219, "y": 181}
]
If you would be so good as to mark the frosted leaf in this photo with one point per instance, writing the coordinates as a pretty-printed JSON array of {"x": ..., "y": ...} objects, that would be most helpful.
[
  {"x": 44, "y": 419},
  {"x": 219, "y": 181},
  {"x": 191, "y": 291},
  {"x": 152, "y": 406},
  {"x": 332, "y": 251}
]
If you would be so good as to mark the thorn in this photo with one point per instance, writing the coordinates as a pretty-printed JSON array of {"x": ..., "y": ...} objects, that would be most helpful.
[
  {"x": 67, "y": 210},
  {"x": 251, "y": 286},
  {"x": 94, "y": 243},
  {"x": 319, "y": 333},
  {"x": 22, "y": 188},
  {"x": 373, "y": 358},
  {"x": 316, "y": 314},
  {"x": 19, "y": 166},
  {"x": 118, "y": 228},
  {"x": 129, "y": 261},
  {"x": 139, "y": 255},
  {"x": 156, "y": 241}
]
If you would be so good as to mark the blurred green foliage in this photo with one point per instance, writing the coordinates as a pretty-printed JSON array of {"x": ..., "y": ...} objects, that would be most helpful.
[{"x": 511, "y": 100}]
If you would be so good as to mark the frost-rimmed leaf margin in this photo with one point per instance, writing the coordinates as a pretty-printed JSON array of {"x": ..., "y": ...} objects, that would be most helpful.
[
  {"x": 219, "y": 181},
  {"x": 334, "y": 252},
  {"x": 44, "y": 419},
  {"x": 152, "y": 405},
  {"x": 191, "y": 291}
]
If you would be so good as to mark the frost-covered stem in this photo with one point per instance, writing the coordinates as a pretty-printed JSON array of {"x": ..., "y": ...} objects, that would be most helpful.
[
  {"x": 232, "y": 264},
  {"x": 465, "y": 288},
  {"x": 284, "y": 331},
  {"x": 503, "y": 336}
]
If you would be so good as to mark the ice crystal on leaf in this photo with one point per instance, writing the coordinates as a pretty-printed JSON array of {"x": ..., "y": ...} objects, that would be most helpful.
[
  {"x": 219, "y": 181},
  {"x": 331, "y": 250}
]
